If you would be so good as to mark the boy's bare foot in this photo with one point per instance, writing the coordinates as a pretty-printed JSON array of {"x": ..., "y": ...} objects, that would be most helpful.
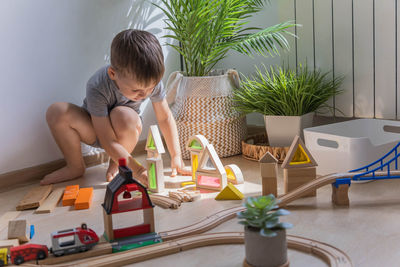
[
  {"x": 64, "y": 174},
  {"x": 112, "y": 170}
]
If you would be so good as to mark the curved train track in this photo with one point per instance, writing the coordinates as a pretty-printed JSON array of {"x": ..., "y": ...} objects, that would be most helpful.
[{"x": 331, "y": 255}]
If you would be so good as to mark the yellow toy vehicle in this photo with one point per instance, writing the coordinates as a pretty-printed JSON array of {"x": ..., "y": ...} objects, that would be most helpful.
[{"x": 3, "y": 256}]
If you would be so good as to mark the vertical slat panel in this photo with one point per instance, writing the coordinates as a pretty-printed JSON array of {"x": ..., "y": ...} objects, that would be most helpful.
[
  {"x": 385, "y": 77},
  {"x": 287, "y": 13},
  {"x": 342, "y": 45},
  {"x": 305, "y": 43},
  {"x": 397, "y": 60},
  {"x": 363, "y": 59},
  {"x": 323, "y": 41}
]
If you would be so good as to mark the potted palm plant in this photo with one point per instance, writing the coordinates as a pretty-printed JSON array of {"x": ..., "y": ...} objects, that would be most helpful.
[
  {"x": 265, "y": 236},
  {"x": 201, "y": 97},
  {"x": 287, "y": 98}
]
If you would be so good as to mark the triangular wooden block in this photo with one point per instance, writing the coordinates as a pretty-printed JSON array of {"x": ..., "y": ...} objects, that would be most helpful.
[
  {"x": 268, "y": 158},
  {"x": 154, "y": 142},
  {"x": 298, "y": 156},
  {"x": 230, "y": 192}
]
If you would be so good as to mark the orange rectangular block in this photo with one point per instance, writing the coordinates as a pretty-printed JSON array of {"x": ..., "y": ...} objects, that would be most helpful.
[
  {"x": 84, "y": 199},
  {"x": 70, "y": 195}
]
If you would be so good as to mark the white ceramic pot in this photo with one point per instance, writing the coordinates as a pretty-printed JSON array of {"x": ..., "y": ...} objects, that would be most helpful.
[
  {"x": 281, "y": 130},
  {"x": 264, "y": 251}
]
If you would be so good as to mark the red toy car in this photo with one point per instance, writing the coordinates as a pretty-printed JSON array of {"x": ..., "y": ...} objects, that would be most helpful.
[{"x": 27, "y": 252}]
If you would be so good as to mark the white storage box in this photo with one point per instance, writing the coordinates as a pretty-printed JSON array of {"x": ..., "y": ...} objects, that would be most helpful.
[{"x": 344, "y": 146}]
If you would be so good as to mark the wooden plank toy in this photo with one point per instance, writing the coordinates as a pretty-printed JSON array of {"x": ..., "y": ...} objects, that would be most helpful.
[
  {"x": 70, "y": 194},
  {"x": 18, "y": 229},
  {"x": 9, "y": 243},
  {"x": 84, "y": 199},
  {"x": 230, "y": 192},
  {"x": 51, "y": 202},
  {"x": 35, "y": 197}
]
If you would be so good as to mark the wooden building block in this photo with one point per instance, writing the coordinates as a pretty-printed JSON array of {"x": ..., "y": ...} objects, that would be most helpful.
[
  {"x": 155, "y": 173},
  {"x": 340, "y": 195},
  {"x": 51, "y": 202},
  {"x": 18, "y": 229},
  {"x": 9, "y": 243},
  {"x": 269, "y": 169},
  {"x": 108, "y": 226},
  {"x": 84, "y": 199},
  {"x": 269, "y": 186},
  {"x": 6, "y": 217},
  {"x": 295, "y": 177},
  {"x": 35, "y": 197},
  {"x": 70, "y": 194},
  {"x": 230, "y": 192}
]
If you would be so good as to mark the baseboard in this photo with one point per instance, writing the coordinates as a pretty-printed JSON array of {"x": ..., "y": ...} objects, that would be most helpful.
[{"x": 36, "y": 173}]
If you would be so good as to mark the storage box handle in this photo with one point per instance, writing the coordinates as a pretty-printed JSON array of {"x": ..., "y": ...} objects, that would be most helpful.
[
  {"x": 391, "y": 129},
  {"x": 327, "y": 143}
]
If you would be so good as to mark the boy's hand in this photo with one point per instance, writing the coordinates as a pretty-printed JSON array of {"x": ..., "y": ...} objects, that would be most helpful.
[
  {"x": 178, "y": 167},
  {"x": 138, "y": 171}
]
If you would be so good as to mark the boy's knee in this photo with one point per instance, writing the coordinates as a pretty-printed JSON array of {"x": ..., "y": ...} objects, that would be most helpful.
[
  {"x": 125, "y": 119},
  {"x": 56, "y": 113}
]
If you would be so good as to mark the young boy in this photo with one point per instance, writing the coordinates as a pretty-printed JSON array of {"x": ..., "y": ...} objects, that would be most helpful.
[{"x": 109, "y": 117}]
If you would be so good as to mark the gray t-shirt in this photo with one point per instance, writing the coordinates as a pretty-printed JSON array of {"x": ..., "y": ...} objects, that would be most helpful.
[{"x": 102, "y": 95}]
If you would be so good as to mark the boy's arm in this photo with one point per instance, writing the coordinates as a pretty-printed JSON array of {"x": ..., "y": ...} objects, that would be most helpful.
[
  {"x": 114, "y": 149},
  {"x": 168, "y": 127}
]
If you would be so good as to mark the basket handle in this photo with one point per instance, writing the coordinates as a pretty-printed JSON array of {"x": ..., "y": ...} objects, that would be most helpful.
[{"x": 234, "y": 76}]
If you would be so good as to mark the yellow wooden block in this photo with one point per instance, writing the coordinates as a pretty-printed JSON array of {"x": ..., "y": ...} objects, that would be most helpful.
[{"x": 230, "y": 192}]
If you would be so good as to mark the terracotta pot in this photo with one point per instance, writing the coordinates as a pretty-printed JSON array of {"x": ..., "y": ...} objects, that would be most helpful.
[
  {"x": 264, "y": 251},
  {"x": 281, "y": 130}
]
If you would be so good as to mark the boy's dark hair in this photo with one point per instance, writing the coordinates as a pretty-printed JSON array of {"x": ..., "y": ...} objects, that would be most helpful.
[{"x": 137, "y": 54}]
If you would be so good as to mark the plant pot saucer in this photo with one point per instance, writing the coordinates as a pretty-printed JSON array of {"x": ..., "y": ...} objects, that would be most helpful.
[
  {"x": 255, "y": 146},
  {"x": 246, "y": 264}
]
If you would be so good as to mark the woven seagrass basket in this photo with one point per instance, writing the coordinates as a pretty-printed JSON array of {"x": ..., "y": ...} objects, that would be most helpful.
[
  {"x": 203, "y": 105},
  {"x": 255, "y": 146}
]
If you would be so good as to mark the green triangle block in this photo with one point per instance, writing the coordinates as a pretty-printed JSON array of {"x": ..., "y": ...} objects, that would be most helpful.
[{"x": 230, "y": 192}]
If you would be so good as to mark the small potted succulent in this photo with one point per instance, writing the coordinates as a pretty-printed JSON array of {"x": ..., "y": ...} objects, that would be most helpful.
[{"x": 265, "y": 236}]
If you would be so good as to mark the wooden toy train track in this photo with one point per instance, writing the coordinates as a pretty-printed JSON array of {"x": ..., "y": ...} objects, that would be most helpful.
[
  {"x": 331, "y": 255},
  {"x": 191, "y": 236}
]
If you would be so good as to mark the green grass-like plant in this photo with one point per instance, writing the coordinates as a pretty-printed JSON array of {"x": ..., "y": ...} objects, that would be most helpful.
[
  {"x": 207, "y": 29},
  {"x": 262, "y": 213},
  {"x": 283, "y": 92}
]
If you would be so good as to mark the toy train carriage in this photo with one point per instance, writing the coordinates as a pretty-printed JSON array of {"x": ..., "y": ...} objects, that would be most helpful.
[
  {"x": 73, "y": 240},
  {"x": 27, "y": 252}
]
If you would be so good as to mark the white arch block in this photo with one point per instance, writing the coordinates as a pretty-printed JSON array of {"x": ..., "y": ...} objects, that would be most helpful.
[{"x": 233, "y": 169}]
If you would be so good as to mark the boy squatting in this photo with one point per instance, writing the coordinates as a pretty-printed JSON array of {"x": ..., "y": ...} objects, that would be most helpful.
[{"x": 109, "y": 116}]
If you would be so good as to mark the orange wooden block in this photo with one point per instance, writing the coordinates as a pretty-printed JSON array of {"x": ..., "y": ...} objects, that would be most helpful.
[
  {"x": 70, "y": 195},
  {"x": 84, "y": 199}
]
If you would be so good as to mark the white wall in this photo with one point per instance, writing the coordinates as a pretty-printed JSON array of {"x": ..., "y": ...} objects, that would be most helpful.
[{"x": 48, "y": 50}]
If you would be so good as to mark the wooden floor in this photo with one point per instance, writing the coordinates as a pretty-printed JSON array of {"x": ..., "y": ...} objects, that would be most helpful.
[{"x": 368, "y": 231}]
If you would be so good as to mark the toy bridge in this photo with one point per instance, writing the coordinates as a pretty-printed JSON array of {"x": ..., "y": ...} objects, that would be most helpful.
[{"x": 387, "y": 167}]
